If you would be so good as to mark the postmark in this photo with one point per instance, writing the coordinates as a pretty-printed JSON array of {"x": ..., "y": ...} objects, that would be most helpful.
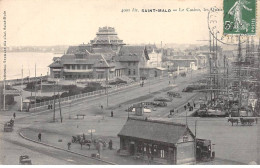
[
  {"x": 239, "y": 17},
  {"x": 215, "y": 26}
]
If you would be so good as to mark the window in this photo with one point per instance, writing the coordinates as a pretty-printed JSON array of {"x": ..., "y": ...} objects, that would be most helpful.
[
  {"x": 129, "y": 63},
  {"x": 84, "y": 66},
  {"x": 78, "y": 66},
  {"x": 89, "y": 66},
  {"x": 134, "y": 71},
  {"x": 129, "y": 71},
  {"x": 185, "y": 138},
  {"x": 73, "y": 66},
  {"x": 162, "y": 154},
  {"x": 67, "y": 66}
]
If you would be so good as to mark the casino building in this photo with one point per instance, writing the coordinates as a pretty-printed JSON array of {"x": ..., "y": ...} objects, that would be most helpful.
[{"x": 105, "y": 57}]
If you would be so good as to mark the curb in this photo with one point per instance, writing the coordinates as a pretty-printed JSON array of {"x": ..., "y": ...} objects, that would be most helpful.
[{"x": 111, "y": 163}]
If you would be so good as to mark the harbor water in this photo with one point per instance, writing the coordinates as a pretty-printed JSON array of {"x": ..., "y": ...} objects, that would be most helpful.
[{"x": 15, "y": 61}]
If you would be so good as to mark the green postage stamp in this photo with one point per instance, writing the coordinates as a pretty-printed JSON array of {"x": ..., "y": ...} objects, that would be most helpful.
[{"x": 239, "y": 17}]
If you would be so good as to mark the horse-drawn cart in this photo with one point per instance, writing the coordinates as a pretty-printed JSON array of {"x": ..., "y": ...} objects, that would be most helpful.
[
  {"x": 243, "y": 121},
  {"x": 8, "y": 127},
  {"x": 25, "y": 160},
  {"x": 81, "y": 139}
]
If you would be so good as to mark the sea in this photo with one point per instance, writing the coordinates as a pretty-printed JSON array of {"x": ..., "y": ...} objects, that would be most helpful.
[{"x": 16, "y": 61}]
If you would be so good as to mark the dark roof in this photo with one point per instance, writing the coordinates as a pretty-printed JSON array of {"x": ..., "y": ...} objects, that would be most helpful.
[
  {"x": 102, "y": 64},
  {"x": 134, "y": 50},
  {"x": 72, "y": 49},
  {"x": 104, "y": 51},
  {"x": 71, "y": 59},
  {"x": 55, "y": 64},
  {"x": 117, "y": 65},
  {"x": 160, "y": 131},
  {"x": 127, "y": 58}
]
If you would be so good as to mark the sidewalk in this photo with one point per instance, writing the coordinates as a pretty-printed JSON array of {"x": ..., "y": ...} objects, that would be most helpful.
[{"x": 109, "y": 156}]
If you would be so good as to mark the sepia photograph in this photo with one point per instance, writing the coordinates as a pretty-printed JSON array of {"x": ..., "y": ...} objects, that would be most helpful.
[{"x": 129, "y": 82}]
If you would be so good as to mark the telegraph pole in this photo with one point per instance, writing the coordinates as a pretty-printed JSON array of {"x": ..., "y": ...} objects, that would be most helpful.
[
  {"x": 22, "y": 91},
  {"x": 35, "y": 83},
  {"x": 59, "y": 104},
  {"x": 41, "y": 86},
  {"x": 54, "y": 84},
  {"x": 239, "y": 73},
  {"x": 106, "y": 85}
]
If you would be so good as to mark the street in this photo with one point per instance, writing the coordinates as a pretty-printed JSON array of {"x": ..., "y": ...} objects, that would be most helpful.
[{"x": 107, "y": 128}]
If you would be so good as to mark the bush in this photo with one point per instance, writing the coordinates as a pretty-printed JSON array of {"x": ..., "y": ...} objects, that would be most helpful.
[
  {"x": 31, "y": 85},
  {"x": 93, "y": 86},
  {"x": 9, "y": 99}
]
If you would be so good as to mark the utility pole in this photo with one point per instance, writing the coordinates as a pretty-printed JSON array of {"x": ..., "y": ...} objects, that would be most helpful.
[
  {"x": 210, "y": 72},
  {"x": 54, "y": 84},
  {"x": 107, "y": 85},
  {"x": 213, "y": 58},
  {"x": 216, "y": 64},
  {"x": 35, "y": 84},
  {"x": 239, "y": 73},
  {"x": 195, "y": 129},
  {"x": 195, "y": 151},
  {"x": 41, "y": 86},
  {"x": 22, "y": 91},
  {"x": 59, "y": 104},
  {"x": 186, "y": 118}
]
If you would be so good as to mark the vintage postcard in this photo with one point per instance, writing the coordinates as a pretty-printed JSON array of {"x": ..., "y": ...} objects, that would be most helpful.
[{"x": 129, "y": 82}]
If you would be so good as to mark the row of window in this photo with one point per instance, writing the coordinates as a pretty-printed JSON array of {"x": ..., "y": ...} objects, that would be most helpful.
[
  {"x": 78, "y": 76},
  {"x": 129, "y": 71},
  {"x": 78, "y": 67}
]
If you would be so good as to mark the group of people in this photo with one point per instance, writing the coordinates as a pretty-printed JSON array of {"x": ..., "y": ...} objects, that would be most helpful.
[
  {"x": 188, "y": 106},
  {"x": 110, "y": 144}
]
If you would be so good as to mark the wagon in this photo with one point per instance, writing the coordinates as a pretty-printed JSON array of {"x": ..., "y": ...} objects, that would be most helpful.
[
  {"x": 174, "y": 94},
  {"x": 25, "y": 160},
  {"x": 8, "y": 127}
]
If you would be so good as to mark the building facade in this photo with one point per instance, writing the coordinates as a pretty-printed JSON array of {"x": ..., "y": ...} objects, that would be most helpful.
[{"x": 105, "y": 57}]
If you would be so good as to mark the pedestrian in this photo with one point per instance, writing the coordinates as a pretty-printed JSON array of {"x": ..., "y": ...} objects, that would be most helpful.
[
  {"x": 185, "y": 107},
  {"x": 169, "y": 82},
  {"x": 84, "y": 137},
  {"x": 112, "y": 113},
  {"x": 110, "y": 143},
  {"x": 81, "y": 144},
  {"x": 69, "y": 144},
  {"x": 14, "y": 115},
  {"x": 188, "y": 104},
  {"x": 101, "y": 107},
  {"x": 40, "y": 137},
  {"x": 194, "y": 105}
]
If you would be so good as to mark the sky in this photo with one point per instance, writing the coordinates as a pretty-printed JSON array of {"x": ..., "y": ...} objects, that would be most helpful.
[{"x": 70, "y": 22}]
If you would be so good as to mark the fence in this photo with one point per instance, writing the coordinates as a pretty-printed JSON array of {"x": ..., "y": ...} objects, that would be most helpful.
[{"x": 45, "y": 104}]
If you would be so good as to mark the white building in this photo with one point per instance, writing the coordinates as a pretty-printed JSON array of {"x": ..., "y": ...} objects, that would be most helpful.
[{"x": 155, "y": 59}]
